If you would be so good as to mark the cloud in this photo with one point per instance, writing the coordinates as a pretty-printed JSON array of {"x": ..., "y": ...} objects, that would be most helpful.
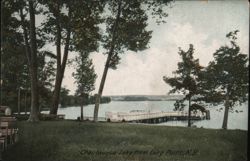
[{"x": 142, "y": 72}]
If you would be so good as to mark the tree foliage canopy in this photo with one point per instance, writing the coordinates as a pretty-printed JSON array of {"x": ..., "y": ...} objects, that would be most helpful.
[
  {"x": 227, "y": 74},
  {"x": 14, "y": 65},
  {"x": 81, "y": 17},
  {"x": 85, "y": 74},
  {"x": 186, "y": 76},
  {"x": 126, "y": 26}
]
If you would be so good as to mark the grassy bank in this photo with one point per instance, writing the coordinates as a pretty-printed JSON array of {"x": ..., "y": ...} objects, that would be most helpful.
[{"x": 73, "y": 141}]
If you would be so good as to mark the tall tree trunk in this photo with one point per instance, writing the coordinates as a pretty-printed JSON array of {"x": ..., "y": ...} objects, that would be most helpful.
[
  {"x": 60, "y": 65},
  {"x": 33, "y": 66},
  {"x": 225, "y": 119},
  {"x": 82, "y": 99},
  {"x": 56, "y": 94},
  {"x": 19, "y": 100},
  {"x": 189, "y": 112},
  {"x": 110, "y": 54},
  {"x": 27, "y": 52},
  {"x": 25, "y": 103},
  {"x": 99, "y": 95}
]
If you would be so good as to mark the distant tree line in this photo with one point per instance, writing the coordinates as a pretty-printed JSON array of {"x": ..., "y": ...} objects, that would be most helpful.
[
  {"x": 73, "y": 100},
  {"x": 138, "y": 98}
]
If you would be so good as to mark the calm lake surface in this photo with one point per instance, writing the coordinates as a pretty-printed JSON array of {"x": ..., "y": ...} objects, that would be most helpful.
[{"x": 235, "y": 121}]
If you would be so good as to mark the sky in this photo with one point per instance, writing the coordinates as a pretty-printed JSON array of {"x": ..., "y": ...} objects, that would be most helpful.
[{"x": 201, "y": 23}]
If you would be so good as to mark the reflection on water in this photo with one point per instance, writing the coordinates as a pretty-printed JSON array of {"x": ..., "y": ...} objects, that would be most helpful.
[{"x": 235, "y": 120}]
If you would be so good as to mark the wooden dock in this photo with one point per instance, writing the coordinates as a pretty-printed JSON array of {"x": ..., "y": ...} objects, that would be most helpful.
[{"x": 154, "y": 117}]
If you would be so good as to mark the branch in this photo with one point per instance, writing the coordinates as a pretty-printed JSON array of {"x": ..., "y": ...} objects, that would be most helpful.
[
  {"x": 66, "y": 47},
  {"x": 58, "y": 35},
  {"x": 25, "y": 37},
  {"x": 51, "y": 55},
  {"x": 114, "y": 33}
]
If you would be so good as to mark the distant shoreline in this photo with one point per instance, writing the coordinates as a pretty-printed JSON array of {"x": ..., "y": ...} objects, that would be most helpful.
[
  {"x": 142, "y": 100},
  {"x": 146, "y": 97}
]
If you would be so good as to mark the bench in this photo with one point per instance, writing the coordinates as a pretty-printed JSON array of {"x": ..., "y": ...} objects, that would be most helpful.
[
  {"x": 3, "y": 141},
  {"x": 8, "y": 131},
  {"x": 7, "y": 119}
]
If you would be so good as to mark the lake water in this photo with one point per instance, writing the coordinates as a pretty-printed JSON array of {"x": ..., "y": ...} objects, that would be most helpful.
[{"x": 235, "y": 120}]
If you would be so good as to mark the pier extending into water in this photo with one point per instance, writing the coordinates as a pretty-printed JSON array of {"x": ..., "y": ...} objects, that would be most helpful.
[{"x": 155, "y": 117}]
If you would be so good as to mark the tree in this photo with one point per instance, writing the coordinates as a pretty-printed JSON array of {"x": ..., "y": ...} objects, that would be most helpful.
[
  {"x": 15, "y": 66},
  {"x": 226, "y": 77},
  {"x": 186, "y": 79},
  {"x": 74, "y": 25},
  {"x": 64, "y": 97},
  {"x": 84, "y": 78},
  {"x": 12, "y": 58},
  {"x": 126, "y": 30},
  {"x": 31, "y": 53},
  {"x": 46, "y": 77},
  {"x": 14, "y": 69}
]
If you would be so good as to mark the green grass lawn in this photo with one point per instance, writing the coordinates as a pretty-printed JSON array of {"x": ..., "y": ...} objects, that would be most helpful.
[{"x": 74, "y": 141}]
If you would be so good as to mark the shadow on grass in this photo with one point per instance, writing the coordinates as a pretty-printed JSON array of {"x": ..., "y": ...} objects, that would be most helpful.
[
  {"x": 32, "y": 151},
  {"x": 33, "y": 145}
]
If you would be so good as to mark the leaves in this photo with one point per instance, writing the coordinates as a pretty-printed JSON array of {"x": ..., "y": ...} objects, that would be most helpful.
[
  {"x": 227, "y": 73},
  {"x": 186, "y": 79},
  {"x": 126, "y": 26},
  {"x": 179, "y": 105},
  {"x": 83, "y": 23},
  {"x": 15, "y": 65},
  {"x": 85, "y": 75}
]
